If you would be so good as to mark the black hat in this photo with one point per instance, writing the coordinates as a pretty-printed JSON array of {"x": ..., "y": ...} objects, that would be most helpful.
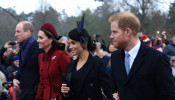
[{"x": 79, "y": 34}]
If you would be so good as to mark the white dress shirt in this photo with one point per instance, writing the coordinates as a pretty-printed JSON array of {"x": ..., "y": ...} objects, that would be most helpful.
[{"x": 133, "y": 53}]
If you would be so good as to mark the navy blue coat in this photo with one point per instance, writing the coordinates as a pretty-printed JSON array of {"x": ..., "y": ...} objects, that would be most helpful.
[
  {"x": 28, "y": 73},
  {"x": 95, "y": 77},
  {"x": 150, "y": 77},
  {"x": 169, "y": 50}
]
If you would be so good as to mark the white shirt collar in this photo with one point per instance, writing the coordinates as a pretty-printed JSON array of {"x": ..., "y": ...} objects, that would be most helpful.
[{"x": 133, "y": 52}]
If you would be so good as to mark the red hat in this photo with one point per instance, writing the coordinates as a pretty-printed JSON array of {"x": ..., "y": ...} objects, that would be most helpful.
[
  {"x": 146, "y": 40},
  {"x": 50, "y": 28}
]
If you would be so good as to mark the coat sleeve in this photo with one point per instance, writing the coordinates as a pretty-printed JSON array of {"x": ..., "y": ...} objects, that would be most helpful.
[
  {"x": 17, "y": 76},
  {"x": 166, "y": 50},
  {"x": 2, "y": 50},
  {"x": 40, "y": 91},
  {"x": 105, "y": 81},
  {"x": 10, "y": 72},
  {"x": 10, "y": 58},
  {"x": 164, "y": 81}
]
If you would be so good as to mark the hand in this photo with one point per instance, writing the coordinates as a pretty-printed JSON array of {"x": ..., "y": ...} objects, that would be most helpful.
[
  {"x": 116, "y": 96},
  {"x": 164, "y": 32},
  {"x": 64, "y": 88},
  {"x": 16, "y": 45},
  {"x": 16, "y": 82},
  {"x": 160, "y": 49},
  {"x": 16, "y": 50},
  {"x": 7, "y": 45}
]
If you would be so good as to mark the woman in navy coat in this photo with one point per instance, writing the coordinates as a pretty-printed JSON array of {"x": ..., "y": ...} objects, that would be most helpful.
[
  {"x": 87, "y": 76},
  {"x": 52, "y": 63}
]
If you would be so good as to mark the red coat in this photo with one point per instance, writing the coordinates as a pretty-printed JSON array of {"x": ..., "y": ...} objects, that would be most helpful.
[{"x": 52, "y": 65}]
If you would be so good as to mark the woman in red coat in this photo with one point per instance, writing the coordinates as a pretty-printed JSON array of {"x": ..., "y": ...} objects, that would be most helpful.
[{"x": 52, "y": 63}]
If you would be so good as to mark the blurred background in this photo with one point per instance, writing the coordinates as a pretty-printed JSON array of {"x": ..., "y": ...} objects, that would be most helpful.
[{"x": 156, "y": 16}]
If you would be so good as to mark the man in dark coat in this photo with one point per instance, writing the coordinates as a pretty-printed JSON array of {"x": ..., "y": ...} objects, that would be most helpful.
[
  {"x": 27, "y": 77},
  {"x": 138, "y": 71},
  {"x": 170, "y": 48}
]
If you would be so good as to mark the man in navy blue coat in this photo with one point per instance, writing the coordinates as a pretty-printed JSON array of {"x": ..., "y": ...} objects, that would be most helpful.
[
  {"x": 146, "y": 73},
  {"x": 27, "y": 77}
]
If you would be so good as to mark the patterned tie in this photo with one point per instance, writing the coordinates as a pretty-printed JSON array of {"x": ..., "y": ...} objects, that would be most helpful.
[{"x": 127, "y": 63}]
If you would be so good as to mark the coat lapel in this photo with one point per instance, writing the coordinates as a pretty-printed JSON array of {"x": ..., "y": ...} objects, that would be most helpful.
[
  {"x": 122, "y": 66},
  {"x": 88, "y": 66},
  {"x": 137, "y": 62}
]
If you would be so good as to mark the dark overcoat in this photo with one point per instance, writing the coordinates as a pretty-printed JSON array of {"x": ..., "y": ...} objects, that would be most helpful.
[
  {"x": 28, "y": 73},
  {"x": 150, "y": 77},
  {"x": 94, "y": 78}
]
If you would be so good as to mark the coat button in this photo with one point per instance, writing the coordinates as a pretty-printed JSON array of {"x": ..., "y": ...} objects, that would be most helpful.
[
  {"x": 89, "y": 98},
  {"x": 91, "y": 85}
]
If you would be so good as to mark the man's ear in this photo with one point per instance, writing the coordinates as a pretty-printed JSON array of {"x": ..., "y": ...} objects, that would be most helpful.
[
  {"x": 128, "y": 31},
  {"x": 28, "y": 33}
]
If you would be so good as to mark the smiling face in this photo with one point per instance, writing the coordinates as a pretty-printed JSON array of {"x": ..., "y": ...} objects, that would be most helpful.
[
  {"x": 44, "y": 42},
  {"x": 75, "y": 47},
  {"x": 118, "y": 36},
  {"x": 111, "y": 48},
  {"x": 101, "y": 53}
]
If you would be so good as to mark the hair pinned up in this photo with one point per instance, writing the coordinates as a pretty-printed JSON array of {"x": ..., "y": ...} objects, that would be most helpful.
[{"x": 80, "y": 34}]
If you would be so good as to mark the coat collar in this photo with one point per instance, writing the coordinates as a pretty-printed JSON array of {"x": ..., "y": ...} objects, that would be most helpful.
[{"x": 49, "y": 54}]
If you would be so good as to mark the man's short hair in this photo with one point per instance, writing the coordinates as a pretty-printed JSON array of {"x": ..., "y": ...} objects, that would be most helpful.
[
  {"x": 126, "y": 20},
  {"x": 98, "y": 43},
  {"x": 27, "y": 26}
]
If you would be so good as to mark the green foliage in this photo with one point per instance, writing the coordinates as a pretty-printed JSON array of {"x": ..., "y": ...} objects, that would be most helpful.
[
  {"x": 39, "y": 18},
  {"x": 171, "y": 19},
  {"x": 7, "y": 26},
  {"x": 95, "y": 21}
]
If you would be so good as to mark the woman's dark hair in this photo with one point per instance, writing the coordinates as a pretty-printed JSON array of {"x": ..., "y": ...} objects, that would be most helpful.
[
  {"x": 80, "y": 34},
  {"x": 55, "y": 43},
  {"x": 82, "y": 37},
  {"x": 108, "y": 48},
  {"x": 91, "y": 45}
]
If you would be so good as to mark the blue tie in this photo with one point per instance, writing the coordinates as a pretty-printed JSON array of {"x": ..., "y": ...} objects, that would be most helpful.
[{"x": 127, "y": 63}]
